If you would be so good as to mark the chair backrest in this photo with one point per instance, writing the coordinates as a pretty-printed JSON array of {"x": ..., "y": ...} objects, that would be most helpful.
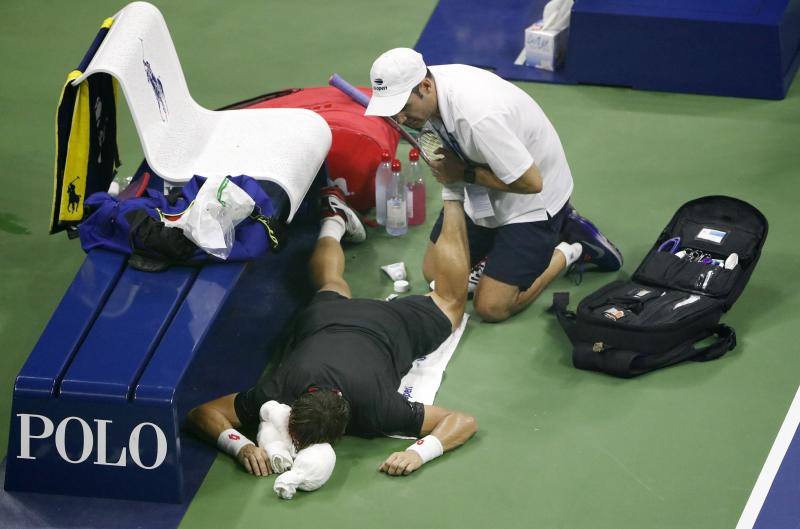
[
  {"x": 138, "y": 51},
  {"x": 180, "y": 138}
]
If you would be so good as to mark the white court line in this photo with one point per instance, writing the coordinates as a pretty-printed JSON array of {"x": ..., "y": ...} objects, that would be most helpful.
[{"x": 771, "y": 466}]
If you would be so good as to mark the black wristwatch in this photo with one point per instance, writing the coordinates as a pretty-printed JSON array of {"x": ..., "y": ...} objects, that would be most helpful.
[{"x": 469, "y": 174}]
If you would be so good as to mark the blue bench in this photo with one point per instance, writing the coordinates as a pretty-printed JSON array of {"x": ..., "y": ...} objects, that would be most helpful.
[{"x": 98, "y": 406}]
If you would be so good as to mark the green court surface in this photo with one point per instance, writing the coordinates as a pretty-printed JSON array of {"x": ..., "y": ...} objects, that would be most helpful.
[{"x": 556, "y": 447}]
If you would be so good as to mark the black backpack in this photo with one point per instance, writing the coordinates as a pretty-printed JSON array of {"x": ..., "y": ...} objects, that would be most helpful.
[{"x": 691, "y": 276}]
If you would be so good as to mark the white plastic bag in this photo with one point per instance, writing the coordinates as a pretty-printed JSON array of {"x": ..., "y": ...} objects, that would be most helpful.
[{"x": 211, "y": 220}]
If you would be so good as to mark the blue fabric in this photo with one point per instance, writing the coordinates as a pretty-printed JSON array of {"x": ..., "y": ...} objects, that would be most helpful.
[{"x": 107, "y": 227}]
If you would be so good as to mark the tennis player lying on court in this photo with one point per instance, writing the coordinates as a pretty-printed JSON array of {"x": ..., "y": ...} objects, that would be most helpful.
[{"x": 349, "y": 355}]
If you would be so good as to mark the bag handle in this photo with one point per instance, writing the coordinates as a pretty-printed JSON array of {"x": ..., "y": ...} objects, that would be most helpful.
[{"x": 726, "y": 341}]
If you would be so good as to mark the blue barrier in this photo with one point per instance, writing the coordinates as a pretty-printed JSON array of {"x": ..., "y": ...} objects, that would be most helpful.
[
  {"x": 98, "y": 406},
  {"x": 741, "y": 48}
]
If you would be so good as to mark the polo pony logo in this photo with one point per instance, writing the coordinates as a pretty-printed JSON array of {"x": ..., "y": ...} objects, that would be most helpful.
[
  {"x": 74, "y": 198},
  {"x": 156, "y": 85}
]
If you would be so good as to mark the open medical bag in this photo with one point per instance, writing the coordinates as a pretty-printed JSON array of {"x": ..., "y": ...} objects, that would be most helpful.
[{"x": 692, "y": 275}]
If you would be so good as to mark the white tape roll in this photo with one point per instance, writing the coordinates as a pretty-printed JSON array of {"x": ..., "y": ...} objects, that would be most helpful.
[{"x": 401, "y": 285}]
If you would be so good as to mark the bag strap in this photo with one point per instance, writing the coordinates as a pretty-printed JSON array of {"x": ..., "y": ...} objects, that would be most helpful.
[
  {"x": 726, "y": 341},
  {"x": 566, "y": 318}
]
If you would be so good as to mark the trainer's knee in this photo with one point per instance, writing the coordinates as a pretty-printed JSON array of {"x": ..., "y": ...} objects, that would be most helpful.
[{"x": 492, "y": 310}]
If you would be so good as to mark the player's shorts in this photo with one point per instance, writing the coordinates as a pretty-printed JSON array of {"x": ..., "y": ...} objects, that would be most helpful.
[{"x": 516, "y": 254}]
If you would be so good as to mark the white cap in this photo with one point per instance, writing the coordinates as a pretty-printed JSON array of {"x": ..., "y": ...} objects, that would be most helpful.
[{"x": 393, "y": 75}]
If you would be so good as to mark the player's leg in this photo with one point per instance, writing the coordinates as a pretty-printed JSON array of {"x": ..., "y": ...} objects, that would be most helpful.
[
  {"x": 479, "y": 239},
  {"x": 338, "y": 221},
  {"x": 451, "y": 258}
]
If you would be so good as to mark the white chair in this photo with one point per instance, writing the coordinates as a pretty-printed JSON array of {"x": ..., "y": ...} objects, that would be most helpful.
[{"x": 181, "y": 138}]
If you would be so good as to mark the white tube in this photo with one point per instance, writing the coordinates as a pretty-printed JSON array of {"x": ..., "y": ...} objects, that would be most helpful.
[{"x": 396, "y": 271}]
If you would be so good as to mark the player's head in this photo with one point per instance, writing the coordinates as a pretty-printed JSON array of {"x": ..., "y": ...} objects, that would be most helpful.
[
  {"x": 402, "y": 86},
  {"x": 318, "y": 416}
]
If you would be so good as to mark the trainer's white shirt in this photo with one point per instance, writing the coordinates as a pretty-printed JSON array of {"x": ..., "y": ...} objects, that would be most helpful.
[{"x": 498, "y": 124}]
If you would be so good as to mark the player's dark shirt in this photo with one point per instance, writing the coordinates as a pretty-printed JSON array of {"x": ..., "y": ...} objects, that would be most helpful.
[{"x": 361, "y": 347}]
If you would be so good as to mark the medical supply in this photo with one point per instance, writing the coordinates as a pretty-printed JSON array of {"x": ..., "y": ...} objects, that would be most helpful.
[
  {"x": 395, "y": 271},
  {"x": 402, "y": 286}
]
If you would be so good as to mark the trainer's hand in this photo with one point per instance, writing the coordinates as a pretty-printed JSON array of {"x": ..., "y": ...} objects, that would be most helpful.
[
  {"x": 254, "y": 459},
  {"x": 449, "y": 169},
  {"x": 401, "y": 463}
]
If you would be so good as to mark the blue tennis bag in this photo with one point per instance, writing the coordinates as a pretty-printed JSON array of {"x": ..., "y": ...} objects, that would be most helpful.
[
  {"x": 135, "y": 226},
  {"x": 693, "y": 274}
]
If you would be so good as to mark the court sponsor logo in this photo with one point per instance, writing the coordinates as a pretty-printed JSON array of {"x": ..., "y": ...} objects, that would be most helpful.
[{"x": 94, "y": 440}]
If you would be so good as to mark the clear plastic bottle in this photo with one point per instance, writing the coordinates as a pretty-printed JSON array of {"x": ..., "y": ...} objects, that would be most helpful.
[
  {"x": 415, "y": 199},
  {"x": 383, "y": 179},
  {"x": 396, "y": 219}
]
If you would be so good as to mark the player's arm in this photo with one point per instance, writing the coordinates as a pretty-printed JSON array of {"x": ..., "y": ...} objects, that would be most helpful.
[
  {"x": 217, "y": 417},
  {"x": 442, "y": 431}
]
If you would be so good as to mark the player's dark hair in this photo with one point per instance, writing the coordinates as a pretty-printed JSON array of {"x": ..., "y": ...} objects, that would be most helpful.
[
  {"x": 318, "y": 417},
  {"x": 415, "y": 90}
]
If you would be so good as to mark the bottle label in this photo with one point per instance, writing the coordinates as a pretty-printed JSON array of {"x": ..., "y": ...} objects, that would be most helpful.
[
  {"x": 409, "y": 202},
  {"x": 396, "y": 214}
]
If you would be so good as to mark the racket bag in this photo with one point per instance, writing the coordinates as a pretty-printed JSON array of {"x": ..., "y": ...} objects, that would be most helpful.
[
  {"x": 675, "y": 298},
  {"x": 357, "y": 139}
]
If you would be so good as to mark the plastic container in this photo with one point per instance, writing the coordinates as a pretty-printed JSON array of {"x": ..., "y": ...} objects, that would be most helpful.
[
  {"x": 415, "y": 197},
  {"x": 383, "y": 179},
  {"x": 396, "y": 217}
]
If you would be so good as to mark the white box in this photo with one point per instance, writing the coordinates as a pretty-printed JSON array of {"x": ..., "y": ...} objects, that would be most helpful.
[{"x": 545, "y": 49}]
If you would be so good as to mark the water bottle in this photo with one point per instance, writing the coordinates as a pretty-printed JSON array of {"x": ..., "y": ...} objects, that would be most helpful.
[
  {"x": 396, "y": 219},
  {"x": 415, "y": 199},
  {"x": 383, "y": 178}
]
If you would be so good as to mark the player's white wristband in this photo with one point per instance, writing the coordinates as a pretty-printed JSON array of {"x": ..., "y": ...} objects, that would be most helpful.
[
  {"x": 231, "y": 441},
  {"x": 429, "y": 447}
]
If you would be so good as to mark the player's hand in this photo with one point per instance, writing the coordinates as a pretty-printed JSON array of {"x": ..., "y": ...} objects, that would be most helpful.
[
  {"x": 450, "y": 169},
  {"x": 254, "y": 459},
  {"x": 401, "y": 463}
]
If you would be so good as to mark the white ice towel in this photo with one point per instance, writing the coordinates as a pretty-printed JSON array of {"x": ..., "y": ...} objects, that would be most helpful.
[
  {"x": 312, "y": 469},
  {"x": 422, "y": 382},
  {"x": 273, "y": 435}
]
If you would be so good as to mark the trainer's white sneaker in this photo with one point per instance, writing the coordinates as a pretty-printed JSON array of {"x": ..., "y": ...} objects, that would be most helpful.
[
  {"x": 572, "y": 252},
  {"x": 332, "y": 202}
]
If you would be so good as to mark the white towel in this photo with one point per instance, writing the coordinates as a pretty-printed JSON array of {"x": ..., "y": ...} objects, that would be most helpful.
[
  {"x": 422, "y": 382},
  {"x": 312, "y": 469},
  {"x": 273, "y": 435}
]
